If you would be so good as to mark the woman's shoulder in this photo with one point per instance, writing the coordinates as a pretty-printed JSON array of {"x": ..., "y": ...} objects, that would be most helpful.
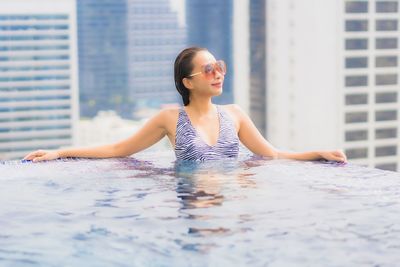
[
  {"x": 234, "y": 109},
  {"x": 166, "y": 117},
  {"x": 169, "y": 113},
  {"x": 235, "y": 112}
]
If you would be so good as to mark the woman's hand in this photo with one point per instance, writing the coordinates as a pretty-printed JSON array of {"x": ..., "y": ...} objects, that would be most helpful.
[
  {"x": 40, "y": 155},
  {"x": 336, "y": 155}
]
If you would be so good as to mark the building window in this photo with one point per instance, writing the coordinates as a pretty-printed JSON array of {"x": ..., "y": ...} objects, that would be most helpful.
[
  {"x": 356, "y": 135},
  {"x": 356, "y": 117},
  {"x": 357, "y": 80},
  {"x": 383, "y": 151},
  {"x": 356, "y": 99},
  {"x": 356, "y": 7},
  {"x": 357, "y": 153},
  {"x": 385, "y": 79},
  {"x": 386, "y": 97},
  {"x": 386, "y": 61},
  {"x": 357, "y": 44},
  {"x": 387, "y": 115},
  {"x": 386, "y": 6},
  {"x": 386, "y": 25},
  {"x": 385, "y": 133},
  {"x": 386, "y": 43},
  {"x": 356, "y": 62},
  {"x": 356, "y": 25},
  {"x": 387, "y": 166}
]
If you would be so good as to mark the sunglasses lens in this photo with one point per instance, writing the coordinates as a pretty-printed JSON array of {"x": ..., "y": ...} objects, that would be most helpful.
[
  {"x": 208, "y": 69},
  {"x": 220, "y": 66}
]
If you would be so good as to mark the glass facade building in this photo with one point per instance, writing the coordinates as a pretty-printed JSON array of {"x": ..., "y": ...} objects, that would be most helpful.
[
  {"x": 103, "y": 59},
  {"x": 155, "y": 38},
  {"x": 38, "y": 101},
  {"x": 258, "y": 80},
  {"x": 210, "y": 25},
  {"x": 126, "y": 54}
]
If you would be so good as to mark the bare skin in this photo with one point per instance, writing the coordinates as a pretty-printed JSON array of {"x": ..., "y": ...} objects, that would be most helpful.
[{"x": 203, "y": 116}]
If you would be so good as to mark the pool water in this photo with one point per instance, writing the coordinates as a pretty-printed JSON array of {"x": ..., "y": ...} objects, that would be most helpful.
[{"x": 149, "y": 210}]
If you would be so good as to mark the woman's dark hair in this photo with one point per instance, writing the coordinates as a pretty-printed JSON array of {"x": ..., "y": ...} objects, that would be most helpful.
[{"x": 183, "y": 67}]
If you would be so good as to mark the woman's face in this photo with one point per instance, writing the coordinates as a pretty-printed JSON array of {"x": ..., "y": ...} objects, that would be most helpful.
[{"x": 203, "y": 83}]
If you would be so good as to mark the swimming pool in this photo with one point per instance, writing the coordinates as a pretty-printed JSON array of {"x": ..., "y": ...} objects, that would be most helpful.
[{"x": 150, "y": 211}]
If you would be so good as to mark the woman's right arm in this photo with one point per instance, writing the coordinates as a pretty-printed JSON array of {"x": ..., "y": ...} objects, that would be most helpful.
[{"x": 152, "y": 132}]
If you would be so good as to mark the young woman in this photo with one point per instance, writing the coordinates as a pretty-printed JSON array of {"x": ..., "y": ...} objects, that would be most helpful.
[{"x": 200, "y": 130}]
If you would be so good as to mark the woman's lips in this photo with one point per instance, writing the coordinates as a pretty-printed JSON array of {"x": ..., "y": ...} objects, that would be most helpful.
[{"x": 217, "y": 84}]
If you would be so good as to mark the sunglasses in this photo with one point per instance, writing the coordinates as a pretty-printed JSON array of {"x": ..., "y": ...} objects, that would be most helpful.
[{"x": 209, "y": 69}]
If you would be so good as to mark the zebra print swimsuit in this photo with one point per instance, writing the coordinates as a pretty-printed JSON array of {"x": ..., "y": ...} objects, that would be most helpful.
[{"x": 190, "y": 146}]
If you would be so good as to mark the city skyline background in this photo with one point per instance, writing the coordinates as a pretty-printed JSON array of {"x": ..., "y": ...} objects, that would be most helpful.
[{"x": 311, "y": 76}]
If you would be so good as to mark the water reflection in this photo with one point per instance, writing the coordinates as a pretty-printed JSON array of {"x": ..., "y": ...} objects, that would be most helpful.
[
  {"x": 201, "y": 188},
  {"x": 200, "y": 184}
]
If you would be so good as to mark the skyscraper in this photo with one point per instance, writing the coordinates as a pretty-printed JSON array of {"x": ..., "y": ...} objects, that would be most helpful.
[
  {"x": 258, "y": 60},
  {"x": 38, "y": 76},
  {"x": 154, "y": 38},
  {"x": 126, "y": 53},
  {"x": 210, "y": 25},
  {"x": 333, "y": 78},
  {"x": 103, "y": 57},
  {"x": 371, "y": 82}
]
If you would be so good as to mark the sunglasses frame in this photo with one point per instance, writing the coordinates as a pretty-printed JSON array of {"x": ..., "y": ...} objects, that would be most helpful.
[{"x": 213, "y": 69}]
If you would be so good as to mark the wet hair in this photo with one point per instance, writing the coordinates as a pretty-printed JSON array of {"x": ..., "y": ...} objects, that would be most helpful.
[{"x": 183, "y": 67}]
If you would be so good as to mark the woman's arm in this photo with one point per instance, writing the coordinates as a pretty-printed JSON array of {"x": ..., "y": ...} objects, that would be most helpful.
[
  {"x": 256, "y": 143},
  {"x": 152, "y": 132}
]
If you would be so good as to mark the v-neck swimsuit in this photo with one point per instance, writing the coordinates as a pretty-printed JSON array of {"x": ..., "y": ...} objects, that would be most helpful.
[{"x": 190, "y": 146}]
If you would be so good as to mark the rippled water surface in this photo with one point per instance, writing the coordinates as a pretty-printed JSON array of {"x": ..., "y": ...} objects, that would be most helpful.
[{"x": 151, "y": 211}]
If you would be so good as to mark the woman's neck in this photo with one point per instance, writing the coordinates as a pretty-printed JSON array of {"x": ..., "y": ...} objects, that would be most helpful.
[{"x": 201, "y": 106}]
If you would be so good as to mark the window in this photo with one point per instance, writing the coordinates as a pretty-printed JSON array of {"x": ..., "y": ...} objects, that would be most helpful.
[
  {"x": 356, "y": 135},
  {"x": 387, "y": 166},
  {"x": 386, "y": 43},
  {"x": 357, "y": 153},
  {"x": 386, "y": 25},
  {"x": 356, "y": 25},
  {"x": 356, "y": 7},
  {"x": 386, "y": 97},
  {"x": 356, "y": 99},
  {"x": 386, "y": 6},
  {"x": 357, "y": 44},
  {"x": 357, "y": 80},
  {"x": 385, "y": 79},
  {"x": 356, "y": 62},
  {"x": 33, "y": 37},
  {"x": 383, "y": 151},
  {"x": 31, "y": 17},
  {"x": 386, "y": 61},
  {"x": 356, "y": 117},
  {"x": 34, "y": 48},
  {"x": 385, "y": 133},
  {"x": 387, "y": 115}
]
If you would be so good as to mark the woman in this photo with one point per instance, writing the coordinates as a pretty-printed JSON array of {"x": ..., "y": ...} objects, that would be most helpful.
[{"x": 199, "y": 130}]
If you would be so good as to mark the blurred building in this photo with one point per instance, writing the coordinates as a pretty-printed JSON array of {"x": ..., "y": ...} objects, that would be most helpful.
[
  {"x": 155, "y": 39},
  {"x": 107, "y": 128},
  {"x": 103, "y": 56},
  {"x": 126, "y": 53},
  {"x": 38, "y": 76},
  {"x": 371, "y": 82},
  {"x": 210, "y": 25},
  {"x": 258, "y": 60},
  {"x": 333, "y": 78}
]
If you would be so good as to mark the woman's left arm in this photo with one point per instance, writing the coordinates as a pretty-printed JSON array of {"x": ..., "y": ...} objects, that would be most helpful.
[{"x": 256, "y": 143}]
